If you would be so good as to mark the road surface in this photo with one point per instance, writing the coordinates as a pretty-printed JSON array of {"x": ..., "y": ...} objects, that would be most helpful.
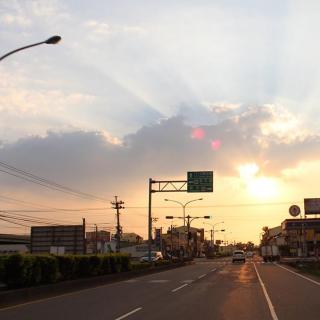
[{"x": 206, "y": 290}]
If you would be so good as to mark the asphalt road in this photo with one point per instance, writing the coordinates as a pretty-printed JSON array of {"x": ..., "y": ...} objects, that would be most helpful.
[{"x": 206, "y": 290}]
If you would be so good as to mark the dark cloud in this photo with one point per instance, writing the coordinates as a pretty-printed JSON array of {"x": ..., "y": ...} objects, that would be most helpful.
[{"x": 89, "y": 162}]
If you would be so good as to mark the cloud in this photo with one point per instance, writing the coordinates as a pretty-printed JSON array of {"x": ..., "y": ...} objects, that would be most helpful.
[
  {"x": 104, "y": 28},
  {"x": 100, "y": 163}
]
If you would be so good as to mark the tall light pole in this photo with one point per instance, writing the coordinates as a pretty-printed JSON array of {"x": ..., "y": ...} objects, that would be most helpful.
[
  {"x": 189, "y": 220},
  {"x": 213, "y": 225},
  {"x": 183, "y": 205},
  {"x": 51, "y": 40}
]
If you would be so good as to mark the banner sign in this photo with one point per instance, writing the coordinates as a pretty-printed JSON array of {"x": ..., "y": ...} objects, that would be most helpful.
[{"x": 312, "y": 206}]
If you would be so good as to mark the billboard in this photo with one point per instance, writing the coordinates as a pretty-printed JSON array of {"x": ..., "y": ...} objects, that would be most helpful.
[
  {"x": 71, "y": 238},
  {"x": 312, "y": 206}
]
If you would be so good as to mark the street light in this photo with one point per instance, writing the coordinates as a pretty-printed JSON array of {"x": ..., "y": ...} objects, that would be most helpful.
[
  {"x": 51, "y": 40},
  {"x": 183, "y": 207},
  {"x": 213, "y": 225},
  {"x": 189, "y": 220}
]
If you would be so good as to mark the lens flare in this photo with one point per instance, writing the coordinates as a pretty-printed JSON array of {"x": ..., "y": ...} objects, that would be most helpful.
[
  {"x": 198, "y": 133},
  {"x": 215, "y": 144}
]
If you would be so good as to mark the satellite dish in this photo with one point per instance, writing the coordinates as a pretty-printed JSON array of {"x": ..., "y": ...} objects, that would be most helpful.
[{"x": 294, "y": 211}]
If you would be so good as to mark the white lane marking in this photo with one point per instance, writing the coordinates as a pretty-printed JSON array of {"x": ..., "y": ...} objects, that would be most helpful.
[
  {"x": 176, "y": 289},
  {"x": 158, "y": 281},
  {"x": 203, "y": 275},
  {"x": 128, "y": 314},
  {"x": 270, "y": 305},
  {"x": 187, "y": 281},
  {"x": 300, "y": 275},
  {"x": 212, "y": 270}
]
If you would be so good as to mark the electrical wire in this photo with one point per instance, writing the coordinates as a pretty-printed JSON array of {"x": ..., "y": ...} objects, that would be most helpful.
[{"x": 27, "y": 176}]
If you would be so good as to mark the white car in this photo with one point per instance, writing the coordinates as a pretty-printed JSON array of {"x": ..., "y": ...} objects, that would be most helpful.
[
  {"x": 155, "y": 256},
  {"x": 238, "y": 255}
]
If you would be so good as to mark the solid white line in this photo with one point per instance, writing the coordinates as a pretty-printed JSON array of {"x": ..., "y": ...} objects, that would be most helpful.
[
  {"x": 213, "y": 270},
  {"x": 128, "y": 314},
  {"x": 176, "y": 289},
  {"x": 271, "y": 308},
  {"x": 203, "y": 275},
  {"x": 300, "y": 275}
]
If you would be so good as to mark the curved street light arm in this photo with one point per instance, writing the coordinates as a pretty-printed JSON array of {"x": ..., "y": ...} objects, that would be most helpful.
[
  {"x": 175, "y": 201},
  {"x": 51, "y": 40}
]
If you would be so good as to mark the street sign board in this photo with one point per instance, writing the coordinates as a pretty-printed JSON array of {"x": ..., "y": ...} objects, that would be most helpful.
[
  {"x": 200, "y": 181},
  {"x": 294, "y": 210},
  {"x": 312, "y": 206}
]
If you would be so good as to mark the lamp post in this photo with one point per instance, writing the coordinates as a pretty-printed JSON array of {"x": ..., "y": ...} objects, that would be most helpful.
[
  {"x": 51, "y": 40},
  {"x": 189, "y": 220},
  {"x": 213, "y": 225},
  {"x": 183, "y": 205}
]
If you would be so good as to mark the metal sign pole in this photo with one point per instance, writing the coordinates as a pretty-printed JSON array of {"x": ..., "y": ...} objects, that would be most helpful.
[{"x": 149, "y": 221}]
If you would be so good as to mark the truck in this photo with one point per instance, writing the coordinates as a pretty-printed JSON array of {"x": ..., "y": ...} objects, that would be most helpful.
[{"x": 270, "y": 253}]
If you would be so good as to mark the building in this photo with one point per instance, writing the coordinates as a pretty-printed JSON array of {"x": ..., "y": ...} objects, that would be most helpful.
[
  {"x": 131, "y": 237},
  {"x": 302, "y": 236},
  {"x": 177, "y": 241},
  {"x": 96, "y": 241},
  {"x": 12, "y": 243}
]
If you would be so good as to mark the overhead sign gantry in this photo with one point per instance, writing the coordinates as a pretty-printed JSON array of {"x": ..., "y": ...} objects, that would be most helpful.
[{"x": 197, "y": 181}]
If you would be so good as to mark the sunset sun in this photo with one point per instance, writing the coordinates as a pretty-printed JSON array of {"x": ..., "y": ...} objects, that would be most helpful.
[{"x": 257, "y": 186}]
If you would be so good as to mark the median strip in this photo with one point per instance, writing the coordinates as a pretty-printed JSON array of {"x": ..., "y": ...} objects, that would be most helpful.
[
  {"x": 128, "y": 314},
  {"x": 176, "y": 289}
]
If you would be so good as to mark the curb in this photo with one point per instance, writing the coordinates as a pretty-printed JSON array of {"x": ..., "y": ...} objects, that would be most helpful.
[{"x": 17, "y": 296}]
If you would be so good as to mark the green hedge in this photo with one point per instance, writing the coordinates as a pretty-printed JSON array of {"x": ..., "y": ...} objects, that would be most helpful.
[{"x": 23, "y": 270}]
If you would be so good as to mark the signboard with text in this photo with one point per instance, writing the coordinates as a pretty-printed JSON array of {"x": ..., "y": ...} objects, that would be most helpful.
[
  {"x": 200, "y": 181},
  {"x": 312, "y": 206}
]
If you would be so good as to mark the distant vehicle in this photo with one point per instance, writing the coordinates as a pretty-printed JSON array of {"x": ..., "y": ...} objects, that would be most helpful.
[
  {"x": 155, "y": 256},
  {"x": 270, "y": 253},
  {"x": 238, "y": 255},
  {"x": 249, "y": 254}
]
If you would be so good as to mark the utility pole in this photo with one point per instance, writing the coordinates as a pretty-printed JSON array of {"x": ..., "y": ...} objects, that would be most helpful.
[
  {"x": 96, "y": 236},
  {"x": 118, "y": 205},
  {"x": 211, "y": 233},
  {"x": 84, "y": 235}
]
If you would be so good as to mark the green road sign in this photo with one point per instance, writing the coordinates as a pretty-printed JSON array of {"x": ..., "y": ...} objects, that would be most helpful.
[{"x": 200, "y": 181}]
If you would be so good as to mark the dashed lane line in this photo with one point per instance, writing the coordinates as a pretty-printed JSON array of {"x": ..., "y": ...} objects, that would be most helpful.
[
  {"x": 128, "y": 314},
  {"x": 177, "y": 289},
  {"x": 270, "y": 305},
  {"x": 299, "y": 275},
  {"x": 202, "y": 276}
]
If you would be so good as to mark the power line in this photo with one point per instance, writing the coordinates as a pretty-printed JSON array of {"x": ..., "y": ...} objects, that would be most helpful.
[
  {"x": 25, "y": 175},
  {"x": 19, "y": 224}
]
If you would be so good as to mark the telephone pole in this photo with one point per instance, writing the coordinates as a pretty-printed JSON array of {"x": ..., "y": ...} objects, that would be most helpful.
[{"x": 118, "y": 205}]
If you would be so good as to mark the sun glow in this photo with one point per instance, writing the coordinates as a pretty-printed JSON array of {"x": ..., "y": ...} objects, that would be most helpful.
[{"x": 257, "y": 186}]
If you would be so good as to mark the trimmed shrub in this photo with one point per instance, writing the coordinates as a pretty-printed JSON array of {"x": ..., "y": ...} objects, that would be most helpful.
[
  {"x": 49, "y": 268},
  {"x": 66, "y": 267},
  {"x": 82, "y": 265},
  {"x": 105, "y": 264},
  {"x": 95, "y": 265},
  {"x": 3, "y": 260},
  {"x": 21, "y": 270}
]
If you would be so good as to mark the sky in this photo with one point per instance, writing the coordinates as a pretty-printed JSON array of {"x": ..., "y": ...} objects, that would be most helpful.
[{"x": 154, "y": 89}]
